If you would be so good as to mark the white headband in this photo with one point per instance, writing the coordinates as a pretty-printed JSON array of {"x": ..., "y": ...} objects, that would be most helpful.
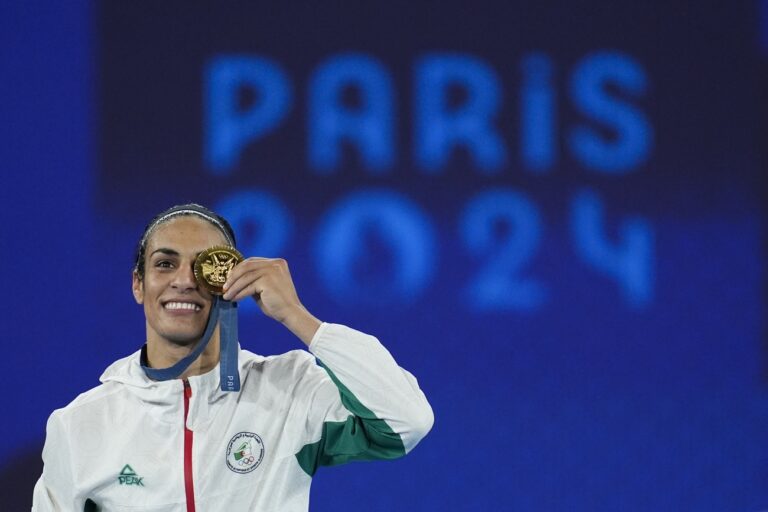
[{"x": 164, "y": 218}]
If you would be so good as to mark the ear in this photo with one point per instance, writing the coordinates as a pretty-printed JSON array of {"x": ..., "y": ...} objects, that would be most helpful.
[{"x": 138, "y": 288}]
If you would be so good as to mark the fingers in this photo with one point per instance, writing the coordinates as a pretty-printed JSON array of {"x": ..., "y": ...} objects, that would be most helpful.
[
  {"x": 269, "y": 282},
  {"x": 254, "y": 289},
  {"x": 235, "y": 281},
  {"x": 251, "y": 276},
  {"x": 245, "y": 266},
  {"x": 238, "y": 288}
]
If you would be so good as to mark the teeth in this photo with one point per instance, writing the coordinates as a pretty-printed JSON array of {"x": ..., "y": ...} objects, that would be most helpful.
[{"x": 182, "y": 305}]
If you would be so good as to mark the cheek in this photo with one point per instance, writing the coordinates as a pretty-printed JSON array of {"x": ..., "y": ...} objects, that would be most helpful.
[{"x": 151, "y": 290}]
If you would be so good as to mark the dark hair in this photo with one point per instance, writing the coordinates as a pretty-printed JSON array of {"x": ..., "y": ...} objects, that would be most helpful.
[{"x": 176, "y": 211}]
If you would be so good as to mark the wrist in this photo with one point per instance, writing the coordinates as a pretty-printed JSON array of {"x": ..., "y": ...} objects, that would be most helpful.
[{"x": 301, "y": 323}]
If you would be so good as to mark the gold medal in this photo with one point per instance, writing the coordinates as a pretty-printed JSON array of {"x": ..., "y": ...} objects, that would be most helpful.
[{"x": 214, "y": 265}]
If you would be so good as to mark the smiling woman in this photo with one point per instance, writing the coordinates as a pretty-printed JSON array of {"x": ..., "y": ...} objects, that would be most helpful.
[
  {"x": 188, "y": 442},
  {"x": 175, "y": 306}
]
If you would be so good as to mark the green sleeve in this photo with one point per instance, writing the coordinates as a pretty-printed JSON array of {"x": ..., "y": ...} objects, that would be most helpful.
[{"x": 362, "y": 436}]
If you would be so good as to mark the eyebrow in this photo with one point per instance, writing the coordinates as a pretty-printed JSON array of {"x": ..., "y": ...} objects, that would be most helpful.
[
  {"x": 169, "y": 252},
  {"x": 164, "y": 250}
]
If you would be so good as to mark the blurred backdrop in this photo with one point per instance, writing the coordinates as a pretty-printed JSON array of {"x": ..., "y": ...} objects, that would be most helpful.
[{"x": 550, "y": 212}]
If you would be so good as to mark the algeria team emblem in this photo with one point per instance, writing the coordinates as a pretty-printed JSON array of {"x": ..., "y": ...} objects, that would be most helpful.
[{"x": 245, "y": 452}]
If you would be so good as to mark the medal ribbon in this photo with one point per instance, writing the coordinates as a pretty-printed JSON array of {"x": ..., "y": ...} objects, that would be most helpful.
[
  {"x": 230, "y": 377},
  {"x": 222, "y": 311}
]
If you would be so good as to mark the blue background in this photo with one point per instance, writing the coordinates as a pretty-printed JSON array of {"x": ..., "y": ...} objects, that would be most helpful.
[{"x": 569, "y": 368}]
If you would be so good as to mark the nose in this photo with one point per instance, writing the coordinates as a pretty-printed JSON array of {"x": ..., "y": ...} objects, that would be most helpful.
[{"x": 184, "y": 278}]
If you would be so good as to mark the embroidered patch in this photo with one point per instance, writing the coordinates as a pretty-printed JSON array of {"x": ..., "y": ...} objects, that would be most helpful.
[{"x": 245, "y": 452}]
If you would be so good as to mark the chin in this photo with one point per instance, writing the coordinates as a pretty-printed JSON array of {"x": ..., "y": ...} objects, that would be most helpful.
[{"x": 182, "y": 340}]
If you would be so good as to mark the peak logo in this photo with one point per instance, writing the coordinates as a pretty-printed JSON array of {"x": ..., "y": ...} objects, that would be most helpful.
[{"x": 128, "y": 476}]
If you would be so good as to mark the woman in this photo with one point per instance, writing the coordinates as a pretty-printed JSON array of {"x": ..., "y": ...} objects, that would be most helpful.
[{"x": 163, "y": 432}]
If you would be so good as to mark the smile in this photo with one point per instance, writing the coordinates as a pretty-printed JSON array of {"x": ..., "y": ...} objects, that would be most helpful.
[{"x": 189, "y": 306}]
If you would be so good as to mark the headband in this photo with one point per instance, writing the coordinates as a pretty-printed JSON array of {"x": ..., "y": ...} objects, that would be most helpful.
[{"x": 185, "y": 211}]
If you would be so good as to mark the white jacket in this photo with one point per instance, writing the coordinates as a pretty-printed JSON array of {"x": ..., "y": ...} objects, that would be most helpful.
[{"x": 123, "y": 445}]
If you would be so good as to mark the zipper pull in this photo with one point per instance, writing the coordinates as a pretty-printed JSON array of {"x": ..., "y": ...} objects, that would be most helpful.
[{"x": 187, "y": 396}]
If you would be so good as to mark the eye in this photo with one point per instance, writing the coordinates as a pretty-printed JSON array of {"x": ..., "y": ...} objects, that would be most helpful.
[{"x": 163, "y": 264}]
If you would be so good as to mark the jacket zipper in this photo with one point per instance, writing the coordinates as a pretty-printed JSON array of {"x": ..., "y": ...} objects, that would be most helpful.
[{"x": 189, "y": 488}]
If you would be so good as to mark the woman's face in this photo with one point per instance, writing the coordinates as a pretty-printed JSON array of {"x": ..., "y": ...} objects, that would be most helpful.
[{"x": 175, "y": 306}]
